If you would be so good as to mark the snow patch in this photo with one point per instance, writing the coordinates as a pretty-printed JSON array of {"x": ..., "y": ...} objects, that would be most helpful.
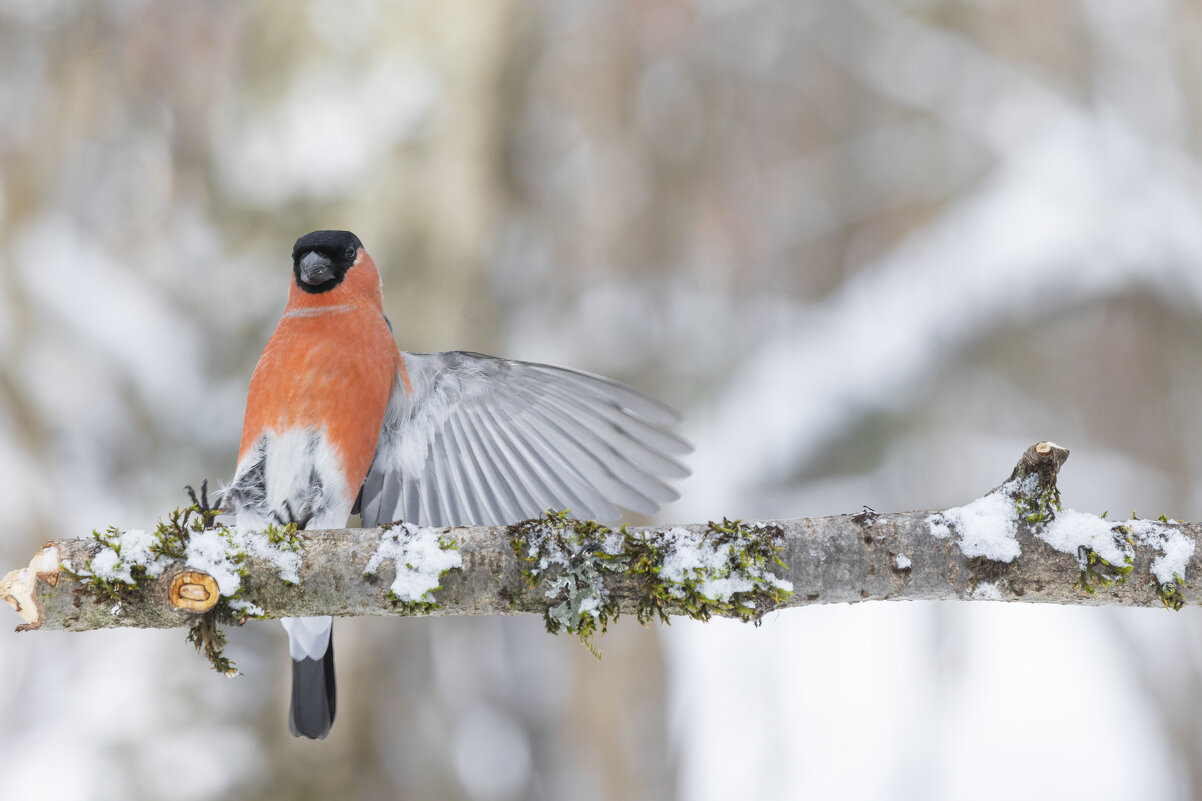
[
  {"x": 218, "y": 553},
  {"x": 247, "y": 608},
  {"x": 987, "y": 526},
  {"x": 903, "y": 562},
  {"x": 286, "y": 560},
  {"x": 1072, "y": 530},
  {"x": 420, "y": 560},
  {"x": 122, "y": 551},
  {"x": 590, "y": 605},
  {"x": 1174, "y": 546},
  {"x": 987, "y": 591},
  {"x": 613, "y": 543},
  {"x": 690, "y": 556}
]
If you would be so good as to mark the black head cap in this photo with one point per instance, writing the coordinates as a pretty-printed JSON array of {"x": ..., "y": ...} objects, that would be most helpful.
[{"x": 320, "y": 259}]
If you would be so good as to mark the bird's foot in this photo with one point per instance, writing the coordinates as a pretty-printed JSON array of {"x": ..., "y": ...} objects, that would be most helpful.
[
  {"x": 201, "y": 506},
  {"x": 288, "y": 516}
]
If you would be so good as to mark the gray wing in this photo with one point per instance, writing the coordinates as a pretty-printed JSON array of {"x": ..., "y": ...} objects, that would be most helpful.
[{"x": 486, "y": 441}]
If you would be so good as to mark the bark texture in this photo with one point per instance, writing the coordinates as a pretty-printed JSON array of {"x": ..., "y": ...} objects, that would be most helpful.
[{"x": 838, "y": 559}]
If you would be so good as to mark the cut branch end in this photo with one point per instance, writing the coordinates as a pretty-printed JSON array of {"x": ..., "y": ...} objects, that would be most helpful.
[
  {"x": 17, "y": 590},
  {"x": 1043, "y": 459},
  {"x": 193, "y": 591}
]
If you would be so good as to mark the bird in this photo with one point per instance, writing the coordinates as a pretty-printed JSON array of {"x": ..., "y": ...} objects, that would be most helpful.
[{"x": 339, "y": 420}]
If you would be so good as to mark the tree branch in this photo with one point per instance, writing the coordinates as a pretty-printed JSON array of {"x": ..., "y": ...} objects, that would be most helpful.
[{"x": 1014, "y": 544}]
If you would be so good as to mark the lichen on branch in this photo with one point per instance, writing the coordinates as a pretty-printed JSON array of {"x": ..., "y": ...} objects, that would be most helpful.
[{"x": 723, "y": 569}]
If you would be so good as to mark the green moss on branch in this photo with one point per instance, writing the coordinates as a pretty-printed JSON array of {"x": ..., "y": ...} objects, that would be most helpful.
[{"x": 725, "y": 569}]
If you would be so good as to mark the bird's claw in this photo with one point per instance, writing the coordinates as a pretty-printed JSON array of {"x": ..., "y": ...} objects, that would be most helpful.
[
  {"x": 301, "y": 520},
  {"x": 208, "y": 512}
]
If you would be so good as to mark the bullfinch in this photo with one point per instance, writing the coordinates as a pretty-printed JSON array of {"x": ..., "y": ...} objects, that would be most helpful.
[{"x": 339, "y": 419}]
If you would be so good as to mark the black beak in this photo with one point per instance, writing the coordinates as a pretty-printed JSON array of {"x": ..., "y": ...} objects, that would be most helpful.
[{"x": 315, "y": 269}]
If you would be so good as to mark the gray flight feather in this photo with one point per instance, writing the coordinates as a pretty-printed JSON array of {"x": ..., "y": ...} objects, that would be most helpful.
[{"x": 488, "y": 441}]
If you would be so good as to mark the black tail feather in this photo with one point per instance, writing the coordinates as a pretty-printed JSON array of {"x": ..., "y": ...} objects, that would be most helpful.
[{"x": 314, "y": 696}]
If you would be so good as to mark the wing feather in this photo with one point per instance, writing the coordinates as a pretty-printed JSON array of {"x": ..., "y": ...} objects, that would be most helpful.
[
  {"x": 609, "y": 406},
  {"x": 606, "y": 469},
  {"x": 456, "y": 501},
  {"x": 525, "y": 451},
  {"x": 473, "y": 465},
  {"x": 468, "y": 484},
  {"x": 598, "y": 386},
  {"x": 473, "y": 439},
  {"x": 526, "y": 468},
  {"x": 438, "y": 467},
  {"x": 632, "y": 430},
  {"x": 512, "y": 469},
  {"x": 627, "y": 459},
  {"x": 577, "y": 462},
  {"x": 564, "y": 486},
  {"x": 500, "y": 488}
]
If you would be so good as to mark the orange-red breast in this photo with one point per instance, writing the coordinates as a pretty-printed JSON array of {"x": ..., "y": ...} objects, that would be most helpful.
[{"x": 336, "y": 411}]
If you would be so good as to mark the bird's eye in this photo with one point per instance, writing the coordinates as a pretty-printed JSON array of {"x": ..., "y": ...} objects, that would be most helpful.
[{"x": 350, "y": 253}]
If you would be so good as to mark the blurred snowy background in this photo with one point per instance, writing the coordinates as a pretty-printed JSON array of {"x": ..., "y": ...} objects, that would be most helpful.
[{"x": 872, "y": 250}]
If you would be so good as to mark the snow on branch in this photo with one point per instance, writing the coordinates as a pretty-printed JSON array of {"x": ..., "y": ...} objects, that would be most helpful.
[{"x": 1016, "y": 543}]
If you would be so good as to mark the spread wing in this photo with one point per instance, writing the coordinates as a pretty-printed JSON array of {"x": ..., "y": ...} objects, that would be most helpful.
[{"x": 479, "y": 440}]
